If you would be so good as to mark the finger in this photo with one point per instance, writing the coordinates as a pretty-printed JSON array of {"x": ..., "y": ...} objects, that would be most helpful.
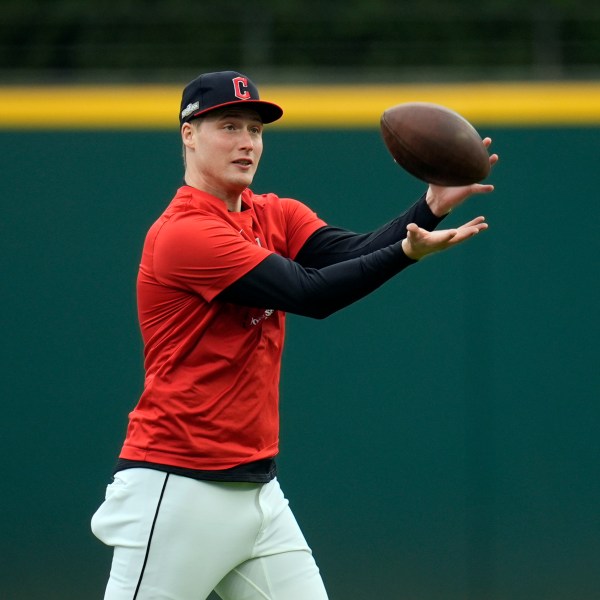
[
  {"x": 474, "y": 222},
  {"x": 413, "y": 233},
  {"x": 416, "y": 233},
  {"x": 480, "y": 227},
  {"x": 445, "y": 236},
  {"x": 487, "y": 142},
  {"x": 469, "y": 230},
  {"x": 464, "y": 233},
  {"x": 481, "y": 188}
]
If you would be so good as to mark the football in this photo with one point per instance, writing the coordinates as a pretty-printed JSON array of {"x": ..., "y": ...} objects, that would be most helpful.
[{"x": 435, "y": 144}]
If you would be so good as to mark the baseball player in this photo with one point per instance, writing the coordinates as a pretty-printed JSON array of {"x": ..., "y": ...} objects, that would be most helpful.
[{"x": 195, "y": 504}]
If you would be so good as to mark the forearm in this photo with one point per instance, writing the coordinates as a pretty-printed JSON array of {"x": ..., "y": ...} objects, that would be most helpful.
[
  {"x": 283, "y": 284},
  {"x": 331, "y": 245}
]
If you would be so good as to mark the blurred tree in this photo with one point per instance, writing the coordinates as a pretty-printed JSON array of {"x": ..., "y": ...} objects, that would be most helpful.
[{"x": 162, "y": 38}]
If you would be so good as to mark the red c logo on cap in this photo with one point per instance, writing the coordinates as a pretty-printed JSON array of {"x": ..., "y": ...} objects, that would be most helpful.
[{"x": 240, "y": 88}]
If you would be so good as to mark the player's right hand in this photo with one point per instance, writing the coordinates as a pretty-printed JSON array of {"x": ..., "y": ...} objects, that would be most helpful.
[{"x": 419, "y": 242}]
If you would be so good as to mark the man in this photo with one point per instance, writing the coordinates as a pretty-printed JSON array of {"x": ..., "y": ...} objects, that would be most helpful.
[{"x": 195, "y": 504}]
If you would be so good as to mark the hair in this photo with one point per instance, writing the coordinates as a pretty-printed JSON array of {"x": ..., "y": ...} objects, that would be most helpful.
[{"x": 194, "y": 123}]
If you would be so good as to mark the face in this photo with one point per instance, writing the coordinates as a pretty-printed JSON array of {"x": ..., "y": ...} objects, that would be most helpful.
[{"x": 223, "y": 151}]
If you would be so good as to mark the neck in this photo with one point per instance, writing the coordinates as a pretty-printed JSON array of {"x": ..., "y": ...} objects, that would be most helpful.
[{"x": 232, "y": 200}]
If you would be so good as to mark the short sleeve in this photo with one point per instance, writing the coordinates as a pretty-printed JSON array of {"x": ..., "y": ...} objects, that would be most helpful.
[
  {"x": 301, "y": 223},
  {"x": 203, "y": 254}
]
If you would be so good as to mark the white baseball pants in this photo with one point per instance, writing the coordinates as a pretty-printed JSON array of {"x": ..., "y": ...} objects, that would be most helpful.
[{"x": 177, "y": 538}]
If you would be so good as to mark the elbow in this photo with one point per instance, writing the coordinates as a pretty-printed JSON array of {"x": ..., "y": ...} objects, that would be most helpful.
[{"x": 319, "y": 312}]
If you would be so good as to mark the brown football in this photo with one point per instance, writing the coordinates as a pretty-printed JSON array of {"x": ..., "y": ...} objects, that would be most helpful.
[{"x": 435, "y": 144}]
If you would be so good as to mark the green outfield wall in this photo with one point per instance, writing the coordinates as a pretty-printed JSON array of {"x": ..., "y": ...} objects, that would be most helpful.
[{"x": 439, "y": 438}]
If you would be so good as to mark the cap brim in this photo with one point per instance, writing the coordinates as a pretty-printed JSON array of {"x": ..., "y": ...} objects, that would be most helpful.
[{"x": 267, "y": 111}]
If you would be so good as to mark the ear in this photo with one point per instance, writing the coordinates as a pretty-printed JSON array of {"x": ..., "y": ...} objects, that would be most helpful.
[{"x": 188, "y": 135}]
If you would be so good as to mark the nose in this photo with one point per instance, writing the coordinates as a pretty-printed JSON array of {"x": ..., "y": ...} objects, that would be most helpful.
[{"x": 246, "y": 141}]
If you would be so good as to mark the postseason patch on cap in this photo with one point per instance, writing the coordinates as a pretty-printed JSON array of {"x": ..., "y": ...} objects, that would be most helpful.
[{"x": 189, "y": 109}]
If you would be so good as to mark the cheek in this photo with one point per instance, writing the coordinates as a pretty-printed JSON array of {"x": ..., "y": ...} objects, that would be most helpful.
[
  {"x": 212, "y": 153},
  {"x": 258, "y": 149}
]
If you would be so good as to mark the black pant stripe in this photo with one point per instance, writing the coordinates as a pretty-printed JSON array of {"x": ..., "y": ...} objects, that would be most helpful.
[{"x": 162, "y": 493}]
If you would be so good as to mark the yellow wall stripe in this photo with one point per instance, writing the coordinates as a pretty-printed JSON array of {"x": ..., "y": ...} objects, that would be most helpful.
[{"x": 156, "y": 107}]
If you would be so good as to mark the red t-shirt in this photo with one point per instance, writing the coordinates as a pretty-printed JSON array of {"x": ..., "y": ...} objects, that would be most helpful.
[{"x": 211, "y": 390}]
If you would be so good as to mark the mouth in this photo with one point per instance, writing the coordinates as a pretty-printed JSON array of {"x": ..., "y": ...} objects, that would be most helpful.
[{"x": 244, "y": 162}]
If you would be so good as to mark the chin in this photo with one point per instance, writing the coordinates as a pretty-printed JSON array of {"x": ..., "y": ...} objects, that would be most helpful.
[{"x": 243, "y": 181}]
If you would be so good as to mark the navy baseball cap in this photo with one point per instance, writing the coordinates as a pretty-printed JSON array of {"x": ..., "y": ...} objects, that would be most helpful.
[{"x": 223, "y": 88}]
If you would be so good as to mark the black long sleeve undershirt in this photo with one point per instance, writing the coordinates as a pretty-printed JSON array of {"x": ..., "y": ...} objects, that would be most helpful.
[
  {"x": 334, "y": 268},
  {"x": 282, "y": 284},
  {"x": 330, "y": 245}
]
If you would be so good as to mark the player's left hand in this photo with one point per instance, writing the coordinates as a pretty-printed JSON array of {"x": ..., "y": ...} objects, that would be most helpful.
[
  {"x": 442, "y": 200},
  {"x": 419, "y": 242}
]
